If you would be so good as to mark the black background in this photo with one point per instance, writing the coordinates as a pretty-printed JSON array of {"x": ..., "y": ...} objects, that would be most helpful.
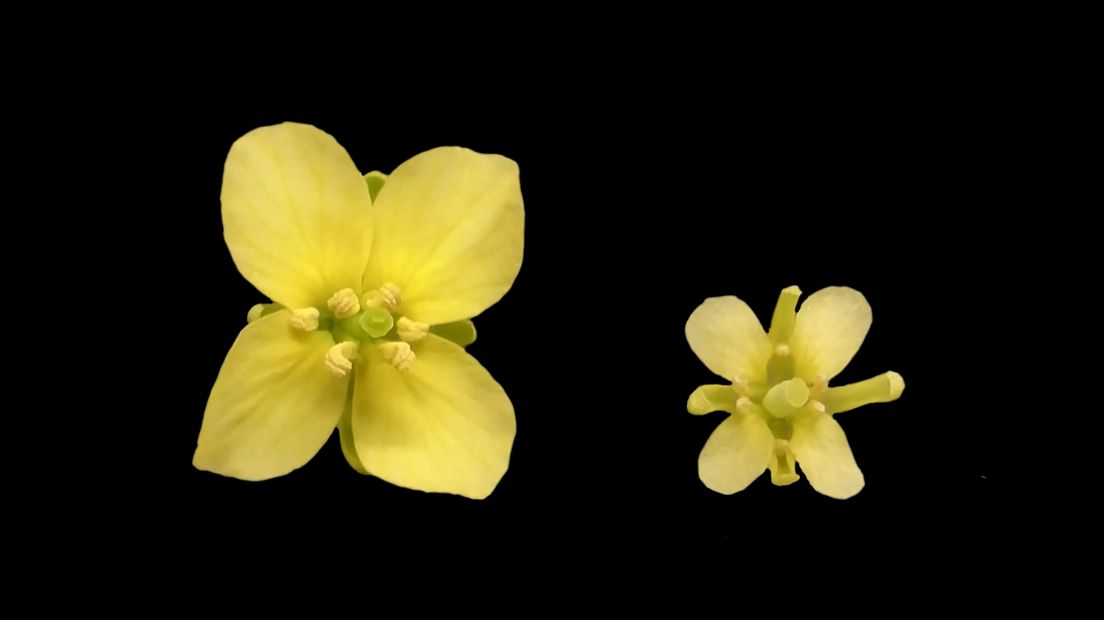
[{"x": 641, "y": 201}]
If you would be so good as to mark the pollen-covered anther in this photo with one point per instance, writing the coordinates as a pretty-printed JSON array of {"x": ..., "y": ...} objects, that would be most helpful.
[
  {"x": 782, "y": 350},
  {"x": 344, "y": 303},
  {"x": 744, "y": 405},
  {"x": 339, "y": 359},
  {"x": 411, "y": 331},
  {"x": 740, "y": 385},
  {"x": 399, "y": 354},
  {"x": 387, "y": 297},
  {"x": 305, "y": 319}
]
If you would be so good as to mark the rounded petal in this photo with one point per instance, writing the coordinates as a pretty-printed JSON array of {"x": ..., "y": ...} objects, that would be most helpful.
[
  {"x": 274, "y": 404},
  {"x": 825, "y": 457},
  {"x": 736, "y": 453},
  {"x": 296, "y": 213},
  {"x": 830, "y": 328},
  {"x": 727, "y": 337},
  {"x": 449, "y": 233},
  {"x": 443, "y": 425}
]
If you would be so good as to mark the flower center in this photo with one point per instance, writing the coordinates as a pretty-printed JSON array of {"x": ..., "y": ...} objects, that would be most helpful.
[
  {"x": 360, "y": 321},
  {"x": 783, "y": 396}
]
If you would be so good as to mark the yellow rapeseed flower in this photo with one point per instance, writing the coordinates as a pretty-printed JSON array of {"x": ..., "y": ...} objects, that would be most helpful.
[
  {"x": 780, "y": 404},
  {"x": 374, "y": 279}
]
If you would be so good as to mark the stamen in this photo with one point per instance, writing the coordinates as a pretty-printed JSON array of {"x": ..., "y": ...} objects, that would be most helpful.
[
  {"x": 411, "y": 331},
  {"x": 780, "y": 367},
  {"x": 784, "y": 399},
  {"x": 339, "y": 359},
  {"x": 344, "y": 303},
  {"x": 387, "y": 297},
  {"x": 399, "y": 354},
  {"x": 305, "y": 319},
  {"x": 740, "y": 385},
  {"x": 745, "y": 405}
]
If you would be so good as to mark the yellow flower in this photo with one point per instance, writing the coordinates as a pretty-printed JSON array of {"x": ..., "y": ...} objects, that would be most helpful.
[
  {"x": 373, "y": 280},
  {"x": 780, "y": 404}
]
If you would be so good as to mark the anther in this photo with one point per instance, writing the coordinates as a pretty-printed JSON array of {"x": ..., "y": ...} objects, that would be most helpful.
[
  {"x": 387, "y": 297},
  {"x": 344, "y": 303},
  {"x": 305, "y": 319},
  {"x": 740, "y": 385},
  {"x": 399, "y": 354},
  {"x": 411, "y": 331},
  {"x": 339, "y": 359},
  {"x": 744, "y": 405}
]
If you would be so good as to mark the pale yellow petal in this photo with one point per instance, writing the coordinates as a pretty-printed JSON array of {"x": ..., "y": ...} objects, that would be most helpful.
[
  {"x": 825, "y": 457},
  {"x": 443, "y": 425},
  {"x": 727, "y": 337},
  {"x": 736, "y": 453},
  {"x": 296, "y": 214},
  {"x": 830, "y": 328},
  {"x": 449, "y": 233},
  {"x": 274, "y": 404}
]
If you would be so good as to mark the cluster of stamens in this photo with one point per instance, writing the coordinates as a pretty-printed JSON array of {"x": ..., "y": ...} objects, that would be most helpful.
[
  {"x": 778, "y": 401},
  {"x": 355, "y": 321}
]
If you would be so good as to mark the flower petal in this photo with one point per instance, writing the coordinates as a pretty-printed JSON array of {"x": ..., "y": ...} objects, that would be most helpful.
[
  {"x": 296, "y": 213},
  {"x": 450, "y": 225},
  {"x": 443, "y": 425},
  {"x": 825, "y": 457},
  {"x": 727, "y": 337},
  {"x": 736, "y": 453},
  {"x": 830, "y": 328},
  {"x": 274, "y": 404}
]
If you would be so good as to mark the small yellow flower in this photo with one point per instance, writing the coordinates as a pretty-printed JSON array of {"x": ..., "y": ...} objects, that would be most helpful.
[
  {"x": 374, "y": 279},
  {"x": 780, "y": 404}
]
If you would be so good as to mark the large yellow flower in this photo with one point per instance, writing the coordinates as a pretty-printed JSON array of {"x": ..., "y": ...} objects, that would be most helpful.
[
  {"x": 780, "y": 404},
  {"x": 373, "y": 280}
]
